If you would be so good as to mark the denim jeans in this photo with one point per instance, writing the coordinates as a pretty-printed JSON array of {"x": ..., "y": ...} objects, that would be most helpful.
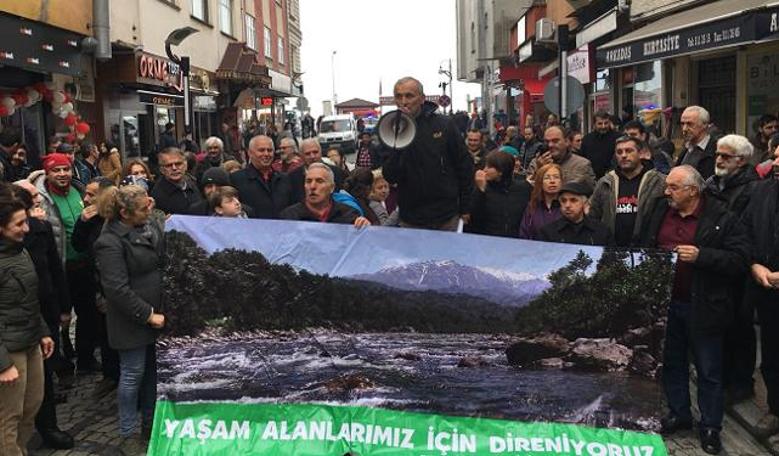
[
  {"x": 707, "y": 357},
  {"x": 137, "y": 386}
]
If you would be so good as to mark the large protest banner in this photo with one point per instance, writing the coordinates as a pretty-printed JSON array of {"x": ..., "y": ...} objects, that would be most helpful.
[{"x": 290, "y": 338}]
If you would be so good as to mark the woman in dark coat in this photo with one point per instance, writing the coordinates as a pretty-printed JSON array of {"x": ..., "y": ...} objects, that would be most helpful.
[
  {"x": 128, "y": 255},
  {"x": 499, "y": 201},
  {"x": 543, "y": 207},
  {"x": 24, "y": 340}
]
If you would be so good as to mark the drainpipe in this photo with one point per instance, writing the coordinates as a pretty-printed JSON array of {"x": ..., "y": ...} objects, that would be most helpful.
[{"x": 101, "y": 28}]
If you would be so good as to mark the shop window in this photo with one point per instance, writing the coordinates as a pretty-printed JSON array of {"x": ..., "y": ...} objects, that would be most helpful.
[
  {"x": 200, "y": 10},
  {"x": 268, "y": 45},
  {"x": 647, "y": 86},
  {"x": 251, "y": 33},
  {"x": 762, "y": 80},
  {"x": 226, "y": 16}
]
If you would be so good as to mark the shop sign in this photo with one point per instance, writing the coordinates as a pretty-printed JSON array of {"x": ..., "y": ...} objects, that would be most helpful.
[
  {"x": 204, "y": 103},
  {"x": 159, "y": 71},
  {"x": 768, "y": 23},
  {"x": 579, "y": 64},
  {"x": 718, "y": 34},
  {"x": 161, "y": 99},
  {"x": 39, "y": 47}
]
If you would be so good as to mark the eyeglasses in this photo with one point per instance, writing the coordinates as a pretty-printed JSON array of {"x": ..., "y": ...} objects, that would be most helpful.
[{"x": 171, "y": 165}]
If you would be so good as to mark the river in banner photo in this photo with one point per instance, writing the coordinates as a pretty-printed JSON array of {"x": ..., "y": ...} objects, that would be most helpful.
[{"x": 413, "y": 320}]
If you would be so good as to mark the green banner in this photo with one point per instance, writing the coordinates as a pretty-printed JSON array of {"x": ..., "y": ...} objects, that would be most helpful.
[{"x": 221, "y": 428}]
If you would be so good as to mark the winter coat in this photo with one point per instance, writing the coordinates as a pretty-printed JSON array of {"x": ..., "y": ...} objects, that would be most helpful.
[
  {"x": 498, "y": 210},
  {"x": 110, "y": 166},
  {"x": 603, "y": 203},
  {"x": 21, "y": 324},
  {"x": 738, "y": 188},
  {"x": 52, "y": 211},
  {"x": 720, "y": 267},
  {"x": 574, "y": 168},
  {"x": 434, "y": 174},
  {"x": 534, "y": 220},
  {"x": 267, "y": 199},
  {"x": 760, "y": 220},
  {"x": 339, "y": 213},
  {"x": 528, "y": 152},
  {"x": 130, "y": 264},
  {"x": 599, "y": 149},
  {"x": 385, "y": 218},
  {"x": 588, "y": 232},
  {"x": 171, "y": 199},
  {"x": 705, "y": 164},
  {"x": 52, "y": 285}
]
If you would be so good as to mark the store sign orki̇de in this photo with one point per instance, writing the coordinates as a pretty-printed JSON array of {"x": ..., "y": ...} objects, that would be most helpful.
[{"x": 159, "y": 71}]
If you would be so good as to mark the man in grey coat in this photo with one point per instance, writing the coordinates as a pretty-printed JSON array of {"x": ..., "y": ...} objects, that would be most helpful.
[{"x": 625, "y": 197}]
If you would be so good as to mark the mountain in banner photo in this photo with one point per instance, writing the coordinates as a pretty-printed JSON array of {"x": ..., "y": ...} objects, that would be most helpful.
[{"x": 450, "y": 277}]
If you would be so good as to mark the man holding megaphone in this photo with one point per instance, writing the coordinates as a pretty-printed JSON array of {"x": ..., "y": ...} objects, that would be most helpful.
[{"x": 427, "y": 160}]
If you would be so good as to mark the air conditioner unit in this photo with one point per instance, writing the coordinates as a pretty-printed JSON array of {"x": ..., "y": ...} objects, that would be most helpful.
[{"x": 545, "y": 31}]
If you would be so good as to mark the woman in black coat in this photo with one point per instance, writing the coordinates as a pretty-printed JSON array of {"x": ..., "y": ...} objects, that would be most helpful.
[
  {"x": 128, "y": 254},
  {"x": 499, "y": 200}
]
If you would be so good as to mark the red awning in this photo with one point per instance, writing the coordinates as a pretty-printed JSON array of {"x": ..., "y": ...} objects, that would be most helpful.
[{"x": 535, "y": 86}]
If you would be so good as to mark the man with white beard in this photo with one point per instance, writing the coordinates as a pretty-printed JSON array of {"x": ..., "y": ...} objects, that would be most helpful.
[{"x": 734, "y": 183}]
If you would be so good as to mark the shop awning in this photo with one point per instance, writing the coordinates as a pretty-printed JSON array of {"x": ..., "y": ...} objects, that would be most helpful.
[
  {"x": 240, "y": 64},
  {"x": 716, "y": 25}
]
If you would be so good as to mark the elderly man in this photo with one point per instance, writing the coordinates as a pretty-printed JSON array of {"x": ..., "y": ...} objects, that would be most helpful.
[
  {"x": 624, "y": 198},
  {"x": 574, "y": 167},
  {"x": 215, "y": 156},
  {"x": 312, "y": 153},
  {"x": 699, "y": 147},
  {"x": 434, "y": 174},
  {"x": 267, "y": 191},
  {"x": 318, "y": 205},
  {"x": 175, "y": 193},
  {"x": 575, "y": 227},
  {"x": 290, "y": 157},
  {"x": 760, "y": 218},
  {"x": 712, "y": 248}
]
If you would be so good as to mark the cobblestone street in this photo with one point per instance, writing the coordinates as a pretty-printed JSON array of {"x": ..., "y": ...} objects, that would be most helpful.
[{"x": 92, "y": 420}]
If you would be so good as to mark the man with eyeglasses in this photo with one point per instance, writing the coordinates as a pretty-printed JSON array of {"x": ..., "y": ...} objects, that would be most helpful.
[
  {"x": 699, "y": 147},
  {"x": 712, "y": 248},
  {"x": 625, "y": 197},
  {"x": 176, "y": 192},
  {"x": 267, "y": 191},
  {"x": 289, "y": 159}
]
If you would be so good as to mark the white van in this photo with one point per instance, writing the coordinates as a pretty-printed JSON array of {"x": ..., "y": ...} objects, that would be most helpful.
[{"x": 339, "y": 130}]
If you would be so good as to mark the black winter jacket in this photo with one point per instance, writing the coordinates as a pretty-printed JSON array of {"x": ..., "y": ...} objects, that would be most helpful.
[
  {"x": 707, "y": 161},
  {"x": 171, "y": 199},
  {"x": 52, "y": 285},
  {"x": 21, "y": 324},
  {"x": 599, "y": 149},
  {"x": 130, "y": 264},
  {"x": 588, "y": 232},
  {"x": 738, "y": 189},
  {"x": 498, "y": 210},
  {"x": 720, "y": 267},
  {"x": 339, "y": 213},
  {"x": 434, "y": 175},
  {"x": 267, "y": 200}
]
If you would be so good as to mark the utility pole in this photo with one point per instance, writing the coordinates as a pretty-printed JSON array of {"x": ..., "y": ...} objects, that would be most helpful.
[
  {"x": 562, "y": 42},
  {"x": 332, "y": 67}
]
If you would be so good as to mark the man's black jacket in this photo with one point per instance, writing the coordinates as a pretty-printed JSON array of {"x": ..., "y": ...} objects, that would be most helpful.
[
  {"x": 722, "y": 262},
  {"x": 434, "y": 175},
  {"x": 267, "y": 199},
  {"x": 588, "y": 232},
  {"x": 738, "y": 188},
  {"x": 171, "y": 199}
]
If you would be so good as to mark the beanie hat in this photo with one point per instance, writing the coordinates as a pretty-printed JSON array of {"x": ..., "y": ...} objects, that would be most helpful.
[
  {"x": 55, "y": 159},
  {"x": 65, "y": 148},
  {"x": 215, "y": 175}
]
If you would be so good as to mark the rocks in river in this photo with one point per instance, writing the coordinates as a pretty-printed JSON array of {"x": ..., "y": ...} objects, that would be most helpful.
[
  {"x": 408, "y": 356},
  {"x": 601, "y": 354},
  {"x": 642, "y": 362},
  {"x": 472, "y": 361},
  {"x": 349, "y": 382},
  {"x": 553, "y": 363},
  {"x": 525, "y": 351}
]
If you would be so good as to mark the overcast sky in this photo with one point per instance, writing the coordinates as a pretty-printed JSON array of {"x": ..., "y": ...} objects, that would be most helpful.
[{"x": 377, "y": 40}]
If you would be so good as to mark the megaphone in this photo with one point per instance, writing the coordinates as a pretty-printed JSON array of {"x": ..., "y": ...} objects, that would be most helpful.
[{"x": 396, "y": 130}]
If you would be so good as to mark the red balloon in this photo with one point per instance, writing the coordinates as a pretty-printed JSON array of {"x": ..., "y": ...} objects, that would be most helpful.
[
  {"x": 82, "y": 128},
  {"x": 71, "y": 120},
  {"x": 70, "y": 138},
  {"x": 3, "y": 111},
  {"x": 21, "y": 99}
]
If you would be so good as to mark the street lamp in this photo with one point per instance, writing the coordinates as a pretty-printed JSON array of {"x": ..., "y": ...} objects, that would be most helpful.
[
  {"x": 332, "y": 67},
  {"x": 174, "y": 39}
]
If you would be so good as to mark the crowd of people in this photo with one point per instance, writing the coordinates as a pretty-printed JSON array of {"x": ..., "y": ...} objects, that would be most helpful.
[{"x": 84, "y": 236}]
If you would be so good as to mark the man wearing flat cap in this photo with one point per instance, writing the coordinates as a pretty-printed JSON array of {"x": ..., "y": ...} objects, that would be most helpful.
[{"x": 574, "y": 227}]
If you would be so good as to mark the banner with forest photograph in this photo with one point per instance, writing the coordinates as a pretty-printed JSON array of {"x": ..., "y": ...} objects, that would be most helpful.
[{"x": 294, "y": 338}]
